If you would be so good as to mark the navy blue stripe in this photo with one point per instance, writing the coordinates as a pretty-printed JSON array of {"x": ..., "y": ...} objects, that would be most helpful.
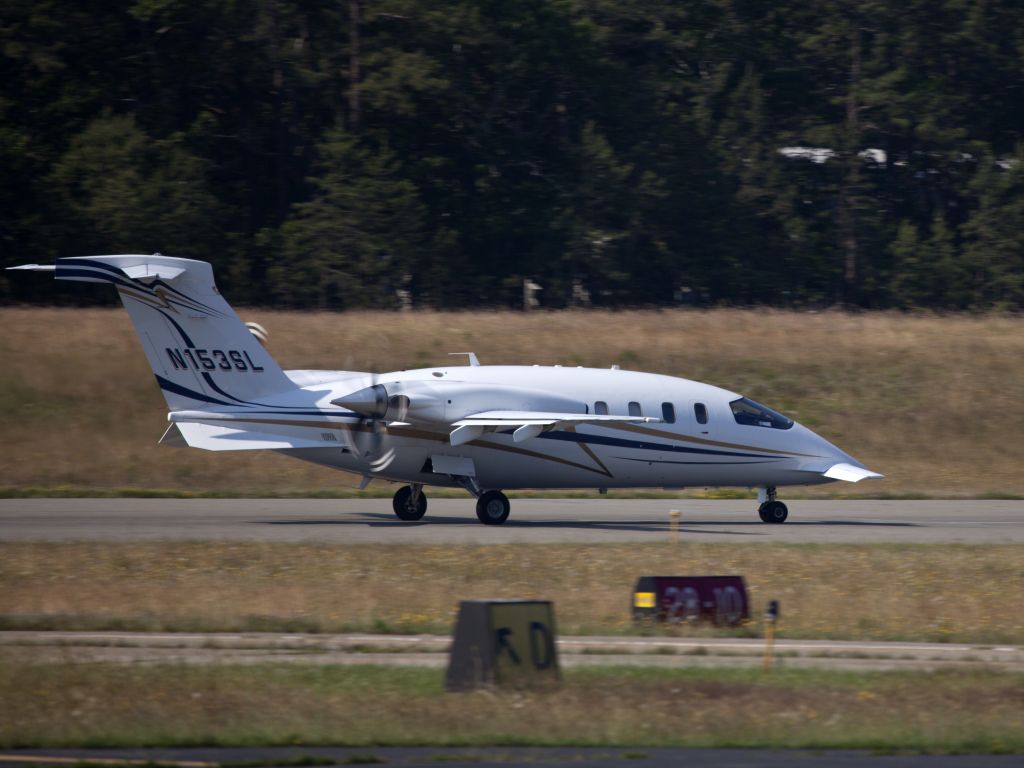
[
  {"x": 191, "y": 307},
  {"x": 94, "y": 264},
  {"x": 170, "y": 386},
  {"x": 202, "y": 306},
  {"x": 123, "y": 279},
  {"x": 345, "y": 414},
  {"x": 188, "y": 341},
  {"x": 700, "y": 463},
  {"x": 63, "y": 271},
  {"x": 216, "y": 388},
  {"x": 578, "y": 437},
  {"x": 213, "y": 385}
]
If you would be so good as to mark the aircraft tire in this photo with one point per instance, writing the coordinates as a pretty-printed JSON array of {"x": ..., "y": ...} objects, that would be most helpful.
[
  {"x": 492, "y": 508},
  {"x": 773, "y": 512},
  {"x": 403, "y": 506}
]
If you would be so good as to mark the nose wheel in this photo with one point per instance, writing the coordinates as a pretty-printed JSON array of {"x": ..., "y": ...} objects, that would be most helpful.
[
  {"x": 772, "y": 510},
  {"x": 492, "y": 508}
]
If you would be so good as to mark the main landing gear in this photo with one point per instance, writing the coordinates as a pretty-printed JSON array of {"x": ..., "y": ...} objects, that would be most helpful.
[
  {"x": 492, "y": 507},
  {"x": 771, "y": 510},
  {"x": 410, "y": 502}
]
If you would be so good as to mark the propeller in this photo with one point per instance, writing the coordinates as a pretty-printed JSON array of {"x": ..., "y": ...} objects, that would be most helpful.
[
  {"x": 258, "y": 331},
  {"x": 375, "y": 408}
]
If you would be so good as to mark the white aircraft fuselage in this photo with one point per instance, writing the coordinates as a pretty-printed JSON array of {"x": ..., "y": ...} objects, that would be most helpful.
[
  {"x": 484, "y": 428},
  {"x": 683, "y": 453}
]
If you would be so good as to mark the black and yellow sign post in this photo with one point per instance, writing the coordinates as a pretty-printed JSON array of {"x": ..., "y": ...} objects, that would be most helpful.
[
  {"x": 503, "y": 643},
  {"x": 771, "y": 616}
]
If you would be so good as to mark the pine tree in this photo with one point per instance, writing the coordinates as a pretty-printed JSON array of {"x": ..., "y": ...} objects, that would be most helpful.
[{"x": 353, "y": 244}]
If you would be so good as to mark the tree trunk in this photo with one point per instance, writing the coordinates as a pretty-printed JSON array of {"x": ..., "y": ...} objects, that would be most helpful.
[
  {"x": 851, "y": 175},
  {"x": 354, "y": 12}
]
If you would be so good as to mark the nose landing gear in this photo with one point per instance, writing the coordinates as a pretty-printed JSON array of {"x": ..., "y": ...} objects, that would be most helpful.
[{"x": 771, "y": 510}]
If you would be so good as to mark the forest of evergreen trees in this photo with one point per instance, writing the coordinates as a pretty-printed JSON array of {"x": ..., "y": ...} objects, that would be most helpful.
[{"x": 334, "y": 154}]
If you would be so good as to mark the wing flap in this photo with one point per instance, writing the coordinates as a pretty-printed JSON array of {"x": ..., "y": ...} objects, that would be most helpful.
[
  {"x": 542, "y": 418},
  {"x": 528, "y": 424}
]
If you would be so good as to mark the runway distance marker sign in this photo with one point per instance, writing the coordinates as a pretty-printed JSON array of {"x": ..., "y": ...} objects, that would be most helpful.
[
  {"x": 722, "y": 600},
  {"x": 503, "y": 643}
]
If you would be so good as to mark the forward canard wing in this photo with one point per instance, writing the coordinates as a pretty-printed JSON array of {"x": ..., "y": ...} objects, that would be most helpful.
[
  {"x": 851, "y": 473},
  {"x": 528, "y": 424}
]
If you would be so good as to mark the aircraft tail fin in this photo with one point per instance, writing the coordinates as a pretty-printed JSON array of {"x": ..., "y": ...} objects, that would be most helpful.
[{"x": 199, "y": 349}]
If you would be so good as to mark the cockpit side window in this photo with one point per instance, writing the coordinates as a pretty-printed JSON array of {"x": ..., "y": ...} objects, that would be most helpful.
[{"x": 752, "y": 414}]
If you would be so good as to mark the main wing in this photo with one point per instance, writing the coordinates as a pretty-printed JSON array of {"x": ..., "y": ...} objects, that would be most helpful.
[{"x": 528, "y": 424}]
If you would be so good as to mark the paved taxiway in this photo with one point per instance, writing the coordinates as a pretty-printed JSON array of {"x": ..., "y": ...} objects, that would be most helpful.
[
  {"x": 31, "y": 647},
  {"x": 503, "y": 757},
  {"x": 533, "y": 520}
]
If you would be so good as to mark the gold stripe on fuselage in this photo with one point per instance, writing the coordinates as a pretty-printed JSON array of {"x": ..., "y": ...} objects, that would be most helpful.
[
  {"x": 702, "y": 440},
  {"x": 439, "y": 437}
]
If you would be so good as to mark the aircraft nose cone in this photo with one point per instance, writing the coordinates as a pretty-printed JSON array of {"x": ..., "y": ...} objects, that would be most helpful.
[
  {"x": 836, "y": 454},
  {"x": 836, "y": 463},
  {"x": 371, "y": 402}
]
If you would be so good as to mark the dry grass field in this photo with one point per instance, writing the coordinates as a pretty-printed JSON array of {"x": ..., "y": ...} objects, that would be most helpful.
[
  {"x": 97, "y": 705},
  {"x": 933, "y": 402},
  {"x": 947, "y": 593}
]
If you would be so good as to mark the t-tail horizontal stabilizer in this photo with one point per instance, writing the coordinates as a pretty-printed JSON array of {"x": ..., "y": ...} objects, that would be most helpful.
[{"x": 200, "y": 351}]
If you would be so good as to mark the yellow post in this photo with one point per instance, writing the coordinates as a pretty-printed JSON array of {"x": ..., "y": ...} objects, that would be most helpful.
[
  {"x": 769, "y": 645},
  {"x": 673, "y": 525},
  {"x": 771, "y": 615}
]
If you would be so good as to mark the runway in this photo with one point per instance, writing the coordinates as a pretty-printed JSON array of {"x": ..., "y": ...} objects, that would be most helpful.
[{"x": 533, "y": 520}]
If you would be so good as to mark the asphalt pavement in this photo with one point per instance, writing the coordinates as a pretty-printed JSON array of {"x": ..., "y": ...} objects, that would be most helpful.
[
  {"x": 505, "y": 757},
  {"x": 533, "y": 520}
]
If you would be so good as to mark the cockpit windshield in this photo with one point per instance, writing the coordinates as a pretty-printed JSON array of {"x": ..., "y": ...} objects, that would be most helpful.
[{"x": 752, "y": 414}]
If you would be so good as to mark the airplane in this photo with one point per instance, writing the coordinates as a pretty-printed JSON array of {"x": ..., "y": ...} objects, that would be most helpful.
[{"x": 484, "y": 428}]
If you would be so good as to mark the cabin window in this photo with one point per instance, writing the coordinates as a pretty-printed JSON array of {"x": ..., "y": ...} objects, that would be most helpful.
[
  {"x": 601, "y": 408},
  {"x": 668, "y": 413},
  {"x": 752, "y": 414},
  {"x": 635, "y": 409},
  {"x": 701, "y": 412}
]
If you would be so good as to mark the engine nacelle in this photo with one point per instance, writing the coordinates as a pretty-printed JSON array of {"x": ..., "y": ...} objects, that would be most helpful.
[{"x": 449, "y": 401}]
